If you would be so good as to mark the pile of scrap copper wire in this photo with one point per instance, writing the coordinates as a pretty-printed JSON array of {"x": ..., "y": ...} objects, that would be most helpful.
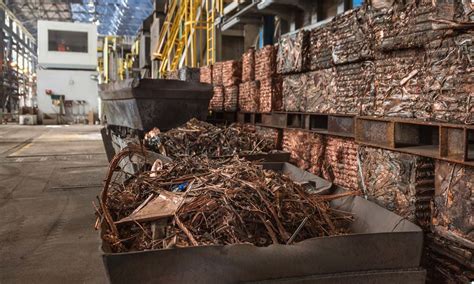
[
  {"x": 199, "y": 201},
  {"x": 201, "y": 138}
]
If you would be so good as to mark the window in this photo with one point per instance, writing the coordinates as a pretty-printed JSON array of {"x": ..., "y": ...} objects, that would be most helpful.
[
  {"x": 14, "y": 27},
  {"x": 7, "y": 20},
  {"x": 67, "y": 41}
]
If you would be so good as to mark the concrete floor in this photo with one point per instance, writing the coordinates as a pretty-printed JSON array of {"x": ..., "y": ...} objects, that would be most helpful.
[{"x": 49, "y": 177}]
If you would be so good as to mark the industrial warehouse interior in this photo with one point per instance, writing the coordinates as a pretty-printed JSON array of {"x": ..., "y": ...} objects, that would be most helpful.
[{"x": 237, "y": 141}]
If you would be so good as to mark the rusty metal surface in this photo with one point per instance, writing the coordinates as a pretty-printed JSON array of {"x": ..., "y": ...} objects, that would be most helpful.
[
  {"x": 147, "y": 103},
  {"x": 374, "y": 132},
  {"x": 343, "y": 124},
  {"x": 443, "y": 141},
  {"x": 107, "y": 140},
  {"x": 381, "y": 240},
  {"x": 453, "y": 143},
  {"x": 407, "y": 134}
]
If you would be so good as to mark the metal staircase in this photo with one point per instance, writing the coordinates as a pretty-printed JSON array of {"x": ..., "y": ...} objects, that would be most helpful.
[{"x": 182, "y": 40}]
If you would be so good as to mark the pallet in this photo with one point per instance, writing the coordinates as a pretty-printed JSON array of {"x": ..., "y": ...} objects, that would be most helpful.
[
  {"x": 442, "y": 141},
  {"x": 329, "y": 124}
]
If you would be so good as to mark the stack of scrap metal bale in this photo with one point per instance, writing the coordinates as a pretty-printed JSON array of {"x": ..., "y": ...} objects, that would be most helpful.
[
  {"x": 330, "y": 157},
  {"x": 269, "y": 80},
  {"x": 225, "y": 77},
  {"x": 422, "y": 65},
  {"x": 249, "y": 89},
  {"x": 410, "y": 60},
  {"x": 310, "y": 84},
  {"x": 402, "y": 59},
  {"x": 205, "y": 75},
  {"x": 212, "y": 74},
  {"x": 217, "y": 101},
  {"x": 231, "y": 78},
  {"x": 249, "y": 85},
  {"x": 292, "y": 60}
]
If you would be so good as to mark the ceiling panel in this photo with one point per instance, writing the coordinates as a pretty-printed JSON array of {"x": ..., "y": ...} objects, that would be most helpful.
[{"x": 114, "y": 17}]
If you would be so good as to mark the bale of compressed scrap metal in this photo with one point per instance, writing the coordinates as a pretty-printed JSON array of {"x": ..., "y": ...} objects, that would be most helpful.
[
  {"x": 231, "y": 72},
  {"x": 217, "y": 79},
  {"x": 249, "y": 96},
  {"x": 400, "y": 78},
  {"x": 271, "y": 94},
  {"x": 198, "y": 201},
  {"x": 449, "y": 80},
  {"x": 341, "y": 158},
  {"x": 332, "y": 158},
  {"x": 351, "y": 34},
  {"x": 451, "y": 242},
  {"x": 231, "y": 97},
  {"x": 292, "y": 56},
  {"x": 400, "y": 182},
  {"x": 293, "y": 90},
  {"x": 452, "y": 206},
  {"x": 248, "y": 65},
  {"x": 217, "y": 101},
  {"x": 201, "y": 138},
  {"x": 189, "y": 74},
  {"x": 394, "y": 27},
  {"x": 355, "y": 90},
  {"x": 320, "y": 91},
  {"x": 320, "y": 50},
  {"x": 447, "y": 260},
  {"x": 359, "y": 80},
  {"x": 298, "y": 144},
  {"x": 265, "y": 62},
  {"x": 205, "y": 75},
  {"x": 410, "y": 25}
]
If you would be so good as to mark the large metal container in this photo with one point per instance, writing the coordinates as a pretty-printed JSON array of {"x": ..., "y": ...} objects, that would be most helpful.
[
  {"x": 382, "y": 248},
  {"x": 147, "y": 103}
]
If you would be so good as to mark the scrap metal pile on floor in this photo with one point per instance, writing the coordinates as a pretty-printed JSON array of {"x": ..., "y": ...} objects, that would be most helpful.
[{"x": 199, "y": 201}]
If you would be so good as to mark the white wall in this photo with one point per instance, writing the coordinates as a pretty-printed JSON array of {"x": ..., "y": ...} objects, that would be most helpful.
[
  {"x": 74, "y": 84},
  {"x": 67, "y": 60}
]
